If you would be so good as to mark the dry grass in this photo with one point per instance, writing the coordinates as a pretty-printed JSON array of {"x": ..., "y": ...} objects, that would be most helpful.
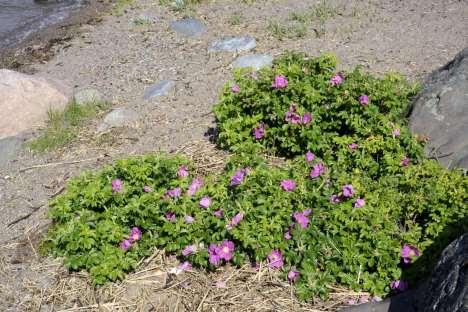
[
  {"x": 207, "y": 158},
  {"x": 156, "y": 287}
]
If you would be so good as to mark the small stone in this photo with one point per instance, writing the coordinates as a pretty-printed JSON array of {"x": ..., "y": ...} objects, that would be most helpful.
[
  {"x": 255, "y": 61},
  {"x": 118, "y": 117},
  {"x": 189, "y": 27},
  {"x": 161, "y": 88},
  {"x": 88, "y": 96},
  {"x": 233, "y": 44}
]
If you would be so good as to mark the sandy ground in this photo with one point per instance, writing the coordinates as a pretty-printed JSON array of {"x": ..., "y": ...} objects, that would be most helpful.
[{"x": 121, "y": 59}]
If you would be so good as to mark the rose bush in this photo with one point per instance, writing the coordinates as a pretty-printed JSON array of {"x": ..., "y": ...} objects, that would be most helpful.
[{"x": 355, "y": 204}]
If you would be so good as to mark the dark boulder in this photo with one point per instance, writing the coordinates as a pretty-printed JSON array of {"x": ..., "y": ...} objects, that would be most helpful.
[
  {"x": 447, "y": 289},
  {"x": 441, "y": 113}
]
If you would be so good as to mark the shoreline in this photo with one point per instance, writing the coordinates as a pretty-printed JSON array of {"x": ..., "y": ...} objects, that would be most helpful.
[{"x": 38, "y": 47}]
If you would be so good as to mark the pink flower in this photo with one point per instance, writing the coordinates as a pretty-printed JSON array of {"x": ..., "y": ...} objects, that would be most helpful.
[
  {"x": 405, "y": 161},
  {"x": 125, "y": 244},
  {"x": 359, "y": 203},
  {"x": 309, "y": 156},
  {"x": 254, "y": 75},
  {"x": 317, "y": 170},
  {"x": 396, "y": 132},
  {"x": 302, "y": 219},
  {"x": 291, "y": 115},
  {"x": 307, "y": 212},
  {"x": 399, "y": 285},
  {"x": 259, "y": 131},
  {"x": 218, "y": 213},
  {"x": 189, "y": 219},
  {"x": 336, "y": 80},
  {"x": 280, "y": 82},
  {"x": 225, "y": 250},
  {"x": 335, "y": 199},
  {"x": 235, "y": 89},
  {"x": 307, "y": 118},
  {"x": 238, "y": 177},
  {"x": 275, "y": 259},
  {"x": 364, "y": 100},
  {"x": 146, "y": 189},
  {"x": 353, "y": 146},
  {"x": 188, "y": 250},
  {"x": 235, "y": 221},
  {"x": 170, "y": 216},
  {"x": 348, "y": 190},
  {"x": 287, "y": 235},
  {"x": 288, "y": 185},
  {"x": 213, "y": 256},
  {"x": 205, "y": 202},
  {"x": 409, "y": 253},
  {"x": 117, "y": 185},
  {"x": 196, "y": 184},
  {"x": 185, "y": 266},
  {"x": 135, "y": 234},
  {"x": 176, "y": 192},
  {"x": 293, "y": 275},
  {"x": 183, "y": 171}
]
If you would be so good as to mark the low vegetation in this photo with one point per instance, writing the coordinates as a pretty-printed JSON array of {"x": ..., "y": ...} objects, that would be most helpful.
[
  {"x": 64, "y": 125},
  {"x": 353, "y": 204}
]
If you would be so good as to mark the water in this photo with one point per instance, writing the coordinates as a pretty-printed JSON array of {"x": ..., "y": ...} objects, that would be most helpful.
[{"x": 22, "y": 18}]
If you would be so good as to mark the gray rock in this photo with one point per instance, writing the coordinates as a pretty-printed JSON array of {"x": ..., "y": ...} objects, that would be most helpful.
[
  {"x": 447, "y": 290},
  {"x": 255, "y": 61},
  {"x": 118, "y": 117},
  {"x": 9, "y": 148},
  {"x": 161, "y": 88},
  {"x": 88, "y": 96},
  {"x": 233, "y": 44},
  {"x": 189, "y": 27},
  {"x": 441, "y": 113}
]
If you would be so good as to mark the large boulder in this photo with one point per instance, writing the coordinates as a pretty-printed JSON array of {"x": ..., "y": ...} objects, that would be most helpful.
[
  {"x": 447, "y": 290},
  {"x": 441, "y": 113},
  {"x": 25, "y": 101}
]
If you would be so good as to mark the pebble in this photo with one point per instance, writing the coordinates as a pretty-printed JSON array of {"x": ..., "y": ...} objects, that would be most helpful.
[
  {"x": 118, "y": 117},
  {"x": 161, "y": 88},
  {"x": 233, "y": 44},
  {"x": 189, "y": 27}
]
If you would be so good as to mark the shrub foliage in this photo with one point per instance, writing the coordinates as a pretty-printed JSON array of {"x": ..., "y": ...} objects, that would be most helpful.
[{"x": 353, "y": 192}]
